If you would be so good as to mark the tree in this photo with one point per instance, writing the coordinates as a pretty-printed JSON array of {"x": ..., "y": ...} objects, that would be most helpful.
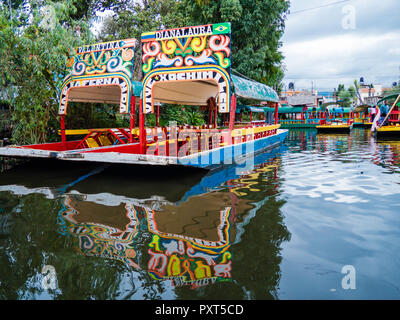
[
  {"x": 257, "y": 27},
  {"x": 347, "y": 96},
  {"x": 141, "y": 16},
  {"x": 34, "y": 46}
]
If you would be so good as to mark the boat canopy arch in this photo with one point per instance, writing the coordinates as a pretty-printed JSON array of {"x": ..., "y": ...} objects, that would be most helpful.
[
  {"x": 242, "y": 108},
  {"x": 101, "y": 73},
  {"x": 389, "y": 97},
  {"x": 187, "y": 66},
  {"x": 190, "y": 65},
  {"x": 186, "y": 86},
  {"x": 250, "y": 89}
]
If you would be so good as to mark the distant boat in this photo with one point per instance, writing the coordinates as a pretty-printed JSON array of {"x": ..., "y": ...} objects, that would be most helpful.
[
  {"x": 362, "y": 116},
  {"x": 388, "y": 127},
  {"x": 335, "y": 120}
]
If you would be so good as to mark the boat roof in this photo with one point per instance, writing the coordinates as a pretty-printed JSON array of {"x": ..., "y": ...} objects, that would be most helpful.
[
  {"x": 241, "y": 108},
  {"x": 251, "y": 89},
  {"x": 101, "y": 73},
  {"x": 302, "y": 109}
]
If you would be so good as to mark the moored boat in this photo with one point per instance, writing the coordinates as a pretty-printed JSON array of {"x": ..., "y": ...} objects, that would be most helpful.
[
  {"x": 335, "y": 120},
  {"x": 387, "y": 126},
  {"x": 362, "y": 116},
  {"x": 185, "y": 66}
]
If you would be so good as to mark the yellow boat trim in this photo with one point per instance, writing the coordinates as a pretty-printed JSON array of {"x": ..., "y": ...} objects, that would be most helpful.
[
  {"x": 389, "y": 129},
  {"x": 135, "y": 131},
  {"x": 246, "y": 131},
  {"x": 74, "y": 132}
]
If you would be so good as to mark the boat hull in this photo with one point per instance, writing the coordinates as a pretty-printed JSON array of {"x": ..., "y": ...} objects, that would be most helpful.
[
  {"x": 207, "y": 159},
  {"x": 334, "y": 128},
  {"x": 299, "y": 126},
  {"x": 388, "y": 132},
  {"x": 362, "y": 124}
]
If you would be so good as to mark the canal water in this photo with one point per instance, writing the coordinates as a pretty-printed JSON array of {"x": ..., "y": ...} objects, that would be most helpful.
[{"x": 317, "y": 218}]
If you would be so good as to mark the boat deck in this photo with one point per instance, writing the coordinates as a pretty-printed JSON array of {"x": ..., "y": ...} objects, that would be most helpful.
[{"x": 203, "y": 148}]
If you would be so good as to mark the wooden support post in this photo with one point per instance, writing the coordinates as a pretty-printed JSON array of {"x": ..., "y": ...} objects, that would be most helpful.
[
  {"x": 63, "y": 137},
  {"x": 232, "y": 114},
  {"x": 158, "y": 115},
  {"x": 276, "y": 113},
  {"x": 132, "y": 112},
  {"x": 215, "y": 114},
  {"x": 142, "y": 130}
]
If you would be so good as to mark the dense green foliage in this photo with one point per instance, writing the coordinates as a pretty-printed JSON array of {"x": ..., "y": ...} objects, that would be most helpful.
[
  {"x": 34, "y": 45},
  {"x": 257, "y": 27}
]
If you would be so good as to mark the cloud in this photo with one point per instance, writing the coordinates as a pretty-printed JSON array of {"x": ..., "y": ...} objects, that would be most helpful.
[{"x": 319, "y": 48}]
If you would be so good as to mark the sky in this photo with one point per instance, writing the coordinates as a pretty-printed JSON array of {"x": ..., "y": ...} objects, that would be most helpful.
[{"x": 331, "y": 42}]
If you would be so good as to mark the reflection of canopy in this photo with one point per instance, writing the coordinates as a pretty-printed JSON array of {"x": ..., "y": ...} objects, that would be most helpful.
[
  {"x": 362, "y": 108},
  {"x": 389, "y": 97},
  {"x": 250, "y": 89},
  {"x": 101, "y": 94},
  {"x": 101, "y": 73}
]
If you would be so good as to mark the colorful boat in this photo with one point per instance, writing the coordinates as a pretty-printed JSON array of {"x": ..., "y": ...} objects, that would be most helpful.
[
  {"x": 299, "y": 117},
  {"x": 362, "y": 116},
  {"x": 308, "y": 117},
  {"x": 254, "y": 115},
  {"x": 335, "y": 120},
  {"x": 184, "y": 66},
  {"x": 388, "y": 126}
]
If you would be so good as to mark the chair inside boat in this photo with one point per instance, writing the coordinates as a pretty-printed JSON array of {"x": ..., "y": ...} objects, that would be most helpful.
[{"x": 97, "y": 138}]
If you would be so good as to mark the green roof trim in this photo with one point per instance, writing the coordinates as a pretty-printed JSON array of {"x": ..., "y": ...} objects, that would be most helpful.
[
  {"x": 389, "y": 97},
  {"x": 253, "y": 90},
  {"x": 250, "y": 109},
  {"x": 137, "y": 88}
]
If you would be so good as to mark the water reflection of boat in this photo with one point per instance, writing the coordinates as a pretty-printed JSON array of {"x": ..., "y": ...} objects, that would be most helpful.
[
  {"x": 386, "y": 153},
  {"x": 189, "y": 247},
  {"x": 105, "y": 231},
  {"x": 148, "y": 185},
  {"x": 188, "y": 240}
]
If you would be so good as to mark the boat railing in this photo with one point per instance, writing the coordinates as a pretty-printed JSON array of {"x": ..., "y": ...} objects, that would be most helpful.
[
  {"x": 180, "y": 140},
  {"x": 183, "y": 141}
]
